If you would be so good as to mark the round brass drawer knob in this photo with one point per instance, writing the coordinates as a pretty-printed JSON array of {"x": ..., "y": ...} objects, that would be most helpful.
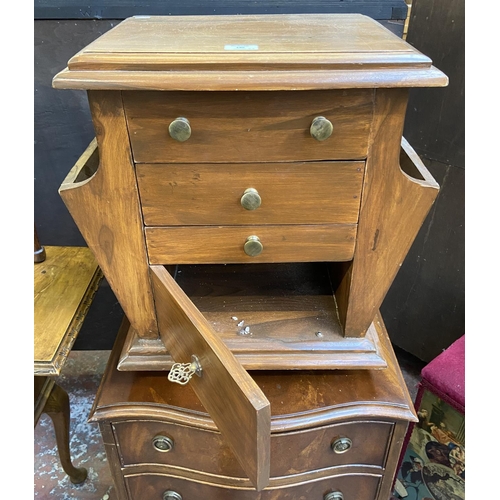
[
  {"x": 321, "y": 128},
  {"x": 341, "y": 445},
  {"x": 163, "y": 443},
  {"x": 171, "y": 495},
  {"x": 180, "y": 129},
  {"x": 334, "y": 495},
  {"x": 250, "y": 199},
  {"x": 253, "y": 246}
]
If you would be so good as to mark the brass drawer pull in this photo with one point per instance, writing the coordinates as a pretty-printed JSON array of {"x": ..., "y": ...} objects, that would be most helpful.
[
  {"x": 171, "y": 495},
  {"x": 180, "y": 129},
  {"x": 250, "y": 199},
  {"x": 181, "y": 373},
  {"x": 334, "y": 495},
  {"x": 253, "y": 246},
  {"x": 341, "y": 445},
  {"x": 163, "y": 443},
  {"x": 321, "y": 128}
]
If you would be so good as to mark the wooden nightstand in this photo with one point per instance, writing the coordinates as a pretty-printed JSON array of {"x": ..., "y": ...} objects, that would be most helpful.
[{"x": 249, "y": 197}]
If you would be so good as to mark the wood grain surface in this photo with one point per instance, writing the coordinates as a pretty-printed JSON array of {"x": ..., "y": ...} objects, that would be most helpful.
[
  {"x": 248, "y": 126},
  {"x": 302, "y": 399},
  {"x": 359, "y": 486},
  {"x": 291, "y": 193},
  {"x": 64, "y": 286},
  {"x": 270, "y": 52},
  {"x": 309, "y": 411},
  {"x": 106, "y": 209},
  {"x": 224, "y": 244},
  {"x": 163, "y": 42},
  {"x": 291, "y": 452},
  {"x": 271, "y": 353},
  {"x": 276, "y": 316},
  {"x": 226, "y": 390},
  {"x": 393, "y": 208}
]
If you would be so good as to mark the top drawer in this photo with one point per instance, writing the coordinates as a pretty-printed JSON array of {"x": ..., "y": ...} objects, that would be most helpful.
[{"x": 248, "y": 126}]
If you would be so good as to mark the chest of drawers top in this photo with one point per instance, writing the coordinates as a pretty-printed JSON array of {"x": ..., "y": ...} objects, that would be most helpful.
[{"x": 259, "y": 52}]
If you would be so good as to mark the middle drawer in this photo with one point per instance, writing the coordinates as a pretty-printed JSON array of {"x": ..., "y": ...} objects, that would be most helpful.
[{"x": 260, "y": 193}]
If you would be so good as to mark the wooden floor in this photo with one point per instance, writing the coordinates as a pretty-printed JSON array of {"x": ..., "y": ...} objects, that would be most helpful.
[{"x": 80, "y": 378}]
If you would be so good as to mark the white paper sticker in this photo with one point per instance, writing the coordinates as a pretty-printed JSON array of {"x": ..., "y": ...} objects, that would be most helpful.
[{"x": 241, "y": 47}]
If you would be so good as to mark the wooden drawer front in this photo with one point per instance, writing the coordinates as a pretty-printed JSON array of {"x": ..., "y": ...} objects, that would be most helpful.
[
  {"x": 290, "y": 193},
  {"x": 195, "y": 449},
  {"x": 291, "y": 453},
  {"x": 248, "y": 126},
  {"x": 153, "y": 486},
  {"x": 224, "y": 245},
  {"x": 312, "y": 449}
]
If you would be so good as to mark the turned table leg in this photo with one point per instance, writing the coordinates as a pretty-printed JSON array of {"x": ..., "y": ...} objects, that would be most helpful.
[{"x": 57, "y": 408}]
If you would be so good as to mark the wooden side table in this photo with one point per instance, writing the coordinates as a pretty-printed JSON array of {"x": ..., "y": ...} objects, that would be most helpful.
[{"x": 64, "y": 284}]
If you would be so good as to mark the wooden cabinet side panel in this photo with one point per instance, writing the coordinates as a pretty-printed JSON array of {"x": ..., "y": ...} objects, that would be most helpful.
[
  {"x": 106, "y": 209},
  {"x": 113, "y": 457},
  {"x": 393, "y": 208},
  {"x": 386, "y": 485}
]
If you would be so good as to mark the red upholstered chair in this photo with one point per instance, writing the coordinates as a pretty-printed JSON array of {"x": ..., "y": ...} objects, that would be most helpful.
[
  {"x": 432, "y": 463},
  {"x": 445, "y": 376}
]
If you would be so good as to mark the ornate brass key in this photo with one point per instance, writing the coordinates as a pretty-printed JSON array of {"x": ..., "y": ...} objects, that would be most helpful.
[{"x": 181, "y": 373}]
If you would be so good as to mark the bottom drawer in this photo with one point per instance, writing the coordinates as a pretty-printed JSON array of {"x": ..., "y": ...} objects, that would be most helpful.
[
  {"x": 348, "y": 487},
  {"x": 226, "y": 244}
]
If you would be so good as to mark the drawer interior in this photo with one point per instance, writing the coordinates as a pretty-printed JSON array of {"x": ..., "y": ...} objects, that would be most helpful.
[
  {"x": 281, "y": 314},
  {"x": 291, "y": 301}
]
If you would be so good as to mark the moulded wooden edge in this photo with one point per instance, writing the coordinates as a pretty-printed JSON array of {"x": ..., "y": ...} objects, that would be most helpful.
[
  {"x": 249, "y": 80},
  {"x": 327, "y": 416},
  {"x": 352, "y": 354},
  {"x": 244, "y": 484},
  {"x": 310, "y": 60},
  {"x": 402, "y": 411},
  {"x": 54, "y": 365}
]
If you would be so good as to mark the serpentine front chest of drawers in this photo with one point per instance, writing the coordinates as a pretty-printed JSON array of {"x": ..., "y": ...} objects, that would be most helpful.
[
  {"x": 249, "y": 197},
  {"x": 335, "y": 435}
]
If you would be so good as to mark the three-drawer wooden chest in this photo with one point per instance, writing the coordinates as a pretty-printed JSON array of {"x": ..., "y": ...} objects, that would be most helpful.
[{"x": 250, "y": 198}]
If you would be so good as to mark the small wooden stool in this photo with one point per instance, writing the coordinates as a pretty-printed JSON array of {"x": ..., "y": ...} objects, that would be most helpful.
[{"x": 65, "y": 282}]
